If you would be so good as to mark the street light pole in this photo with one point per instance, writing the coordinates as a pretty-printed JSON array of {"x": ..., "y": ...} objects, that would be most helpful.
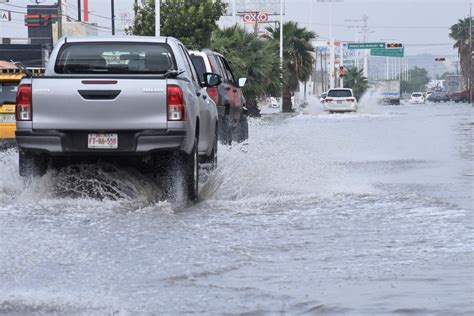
[{"x": 157, "y": 17}]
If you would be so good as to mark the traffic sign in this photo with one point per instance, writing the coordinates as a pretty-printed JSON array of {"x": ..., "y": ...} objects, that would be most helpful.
[
  {"x": 389, "y": 52},
  {"x": 365, "y": 45}
]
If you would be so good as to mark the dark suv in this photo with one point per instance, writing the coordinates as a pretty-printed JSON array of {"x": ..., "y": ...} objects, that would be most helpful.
[{"x": 228, "y": 96}]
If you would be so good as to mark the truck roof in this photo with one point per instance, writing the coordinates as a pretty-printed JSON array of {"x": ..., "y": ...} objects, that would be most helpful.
[{"x": 149, "y": 39}]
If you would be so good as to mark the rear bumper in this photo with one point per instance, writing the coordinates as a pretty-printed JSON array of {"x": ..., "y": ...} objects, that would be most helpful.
[
  {"x": 75, "y": 142},
  {"x": 340, "y": 107}
]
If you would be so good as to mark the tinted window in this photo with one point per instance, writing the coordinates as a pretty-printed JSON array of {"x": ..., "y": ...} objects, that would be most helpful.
[
  {"x": 216, "y": 66},
  {"x": 8, "y": 92},
  {"x": 416, "y": 95},
  {"x": 114, "y": 58},
  {"x": 199, "y": 64},
  {"x": 339, "y": 93},
  {"x": 230, "y": 75}
]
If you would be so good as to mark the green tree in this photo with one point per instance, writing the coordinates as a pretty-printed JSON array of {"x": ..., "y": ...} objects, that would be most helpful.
[
  {"x": 192, "y": 22},
  {"x": 356, "y": 81},
  {"x": 250, "y": 57},
  {"x": 297, "y": 58},
  {"x": 417, "y": 82},
  {"x": 460, "y": 34}
]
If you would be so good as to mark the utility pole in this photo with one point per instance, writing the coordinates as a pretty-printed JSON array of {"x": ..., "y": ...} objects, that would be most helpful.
[
  {"x": 234, "y": 14},
  {"x": 79, "y": 10},
  {"x": 112, "y": 13},
  {"x": 60, "y": 19},
  {"x": 157, "y": 17}
]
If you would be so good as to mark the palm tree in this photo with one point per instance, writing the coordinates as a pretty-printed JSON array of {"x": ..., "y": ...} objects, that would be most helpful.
[
  {"x": 356, "y": 81},
  {"x": 460, "y": 33},
  {"x": 297, "y": 58},
  {"x": 253, "y": 58}
]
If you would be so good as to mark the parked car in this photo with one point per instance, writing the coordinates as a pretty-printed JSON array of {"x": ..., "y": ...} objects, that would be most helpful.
[
  {"x": 417, "y": 98},
  {"x": 233, "y": 123},
  {"x": 129, "y": 99},
  {"x": 322, "y": 97},
  {"x": 438, "y": 97},
  {"x": 460, "y": 96},
  {"x": 340, "y": 100}
]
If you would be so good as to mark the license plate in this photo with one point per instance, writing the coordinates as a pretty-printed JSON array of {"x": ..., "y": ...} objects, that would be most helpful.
[
  {"x": 7, "y": 118},
  {"x": 339, "y": 102},
  {"x": 103, "y": 141}
]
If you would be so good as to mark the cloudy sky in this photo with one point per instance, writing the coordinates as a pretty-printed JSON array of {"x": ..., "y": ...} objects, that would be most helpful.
[{"x": 422, "y": 25}]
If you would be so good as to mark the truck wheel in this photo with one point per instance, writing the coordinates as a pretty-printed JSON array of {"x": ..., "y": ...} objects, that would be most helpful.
[
  {"x": 180, "y": 175},
  {"x": 31, "y": 164},
  {"x": 225, "y": 131},
  {"x": 212, "y": 158},
  {"x": 244, "y": 129}
]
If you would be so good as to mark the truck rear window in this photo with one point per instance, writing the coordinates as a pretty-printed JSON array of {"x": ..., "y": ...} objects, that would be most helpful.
[
  {"x": 8, "y": 93},
  {"x": 114, "y": 58},
  {"x": 339, "y": 93}
]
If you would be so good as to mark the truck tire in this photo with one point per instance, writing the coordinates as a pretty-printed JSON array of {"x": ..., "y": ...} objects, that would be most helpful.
[
  {"x": 211, "y": 160},
  {"x": 225, "y": 131},
  {"x": 179, "y": 174},
  {"x": 243, "y": 129},
  {"x": 31, "y": 164}
]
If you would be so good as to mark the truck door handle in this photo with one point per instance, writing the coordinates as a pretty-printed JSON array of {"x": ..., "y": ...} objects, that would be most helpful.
[
  {"x": 204, "y": 96},
  {"x": 235, "y": 90},
  {"x": 198, "y": 93},
  {"x": 227, "y": 88}
]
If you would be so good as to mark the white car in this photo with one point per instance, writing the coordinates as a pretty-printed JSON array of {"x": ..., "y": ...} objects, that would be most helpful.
[
  {"x": 417, "y": 98},
  {"x": 340, "y": 100}
]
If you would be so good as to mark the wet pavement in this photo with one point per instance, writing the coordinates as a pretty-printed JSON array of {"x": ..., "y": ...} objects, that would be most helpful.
[{"x": 358, "y": 213}]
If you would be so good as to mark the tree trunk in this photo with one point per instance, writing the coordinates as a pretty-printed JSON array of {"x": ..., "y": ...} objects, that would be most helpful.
[
  {"x": 253, "y": 110},
  {"x": 287, "y": 105}
]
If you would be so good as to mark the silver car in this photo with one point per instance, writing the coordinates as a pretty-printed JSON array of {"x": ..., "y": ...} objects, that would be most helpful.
[{"x": 129, "y": 99}]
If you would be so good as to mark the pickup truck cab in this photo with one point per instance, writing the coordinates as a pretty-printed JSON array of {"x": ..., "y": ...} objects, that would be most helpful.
[{"x": 129, "y": 99}]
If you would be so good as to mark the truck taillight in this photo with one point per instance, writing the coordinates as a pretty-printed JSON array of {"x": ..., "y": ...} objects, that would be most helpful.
[
  {"x": 176, "y": 106},
  {"x": 350, "y": 100},
  {"x": 23, "y": 108},
  {"x": 213, "y": 94}
]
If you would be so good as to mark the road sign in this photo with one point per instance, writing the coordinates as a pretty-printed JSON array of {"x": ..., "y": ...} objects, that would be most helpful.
[
  {"x": 390, "y": 52},
  {"x": 254, "y": 17},
  {"x": 365, "y": 45},
  {"x": 5, "y": 16}
]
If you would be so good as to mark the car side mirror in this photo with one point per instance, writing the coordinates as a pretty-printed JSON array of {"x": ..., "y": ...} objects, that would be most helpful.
[
  {"x": 242, "y": 82},
  {"x": 211, "y": 79}
]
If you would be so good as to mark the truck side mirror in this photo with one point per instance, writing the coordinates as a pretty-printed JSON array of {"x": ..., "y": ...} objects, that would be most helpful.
[{"x": 211, "y": 79}]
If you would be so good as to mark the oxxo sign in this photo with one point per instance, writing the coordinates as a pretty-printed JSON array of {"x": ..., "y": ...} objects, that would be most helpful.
[{"x": 255, "y": 17}]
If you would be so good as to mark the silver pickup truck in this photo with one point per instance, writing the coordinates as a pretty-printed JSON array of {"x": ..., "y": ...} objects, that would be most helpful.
[{"x": 130, "y": 99}]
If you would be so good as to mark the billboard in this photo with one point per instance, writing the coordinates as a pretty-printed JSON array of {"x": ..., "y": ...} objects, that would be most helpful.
[{"x": 268, "y": 6}]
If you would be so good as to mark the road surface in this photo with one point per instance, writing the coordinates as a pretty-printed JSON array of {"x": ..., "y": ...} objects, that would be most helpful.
[{"x": 363, "y": 213}]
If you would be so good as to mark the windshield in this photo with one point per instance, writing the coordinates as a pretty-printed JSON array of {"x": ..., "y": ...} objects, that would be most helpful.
[
  {"x": 114, "y": 58},
  {"x": 8, "y": 93},
  {"x": 340, "y": 93},
  {"x": 198, "y": 62}
]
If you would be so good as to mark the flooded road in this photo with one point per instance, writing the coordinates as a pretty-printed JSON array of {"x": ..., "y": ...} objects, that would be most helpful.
[{"x": 366, "y": 213}]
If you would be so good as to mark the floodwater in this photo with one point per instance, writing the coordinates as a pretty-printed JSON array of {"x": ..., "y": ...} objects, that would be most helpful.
[{"x": 364, "y": 213}]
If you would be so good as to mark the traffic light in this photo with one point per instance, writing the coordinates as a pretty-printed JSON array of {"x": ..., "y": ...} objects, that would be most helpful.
[
  {"x": 341, "y": 71},
  {"x": 394, "y": 45},
  {"x": 440, "y": 59}
]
